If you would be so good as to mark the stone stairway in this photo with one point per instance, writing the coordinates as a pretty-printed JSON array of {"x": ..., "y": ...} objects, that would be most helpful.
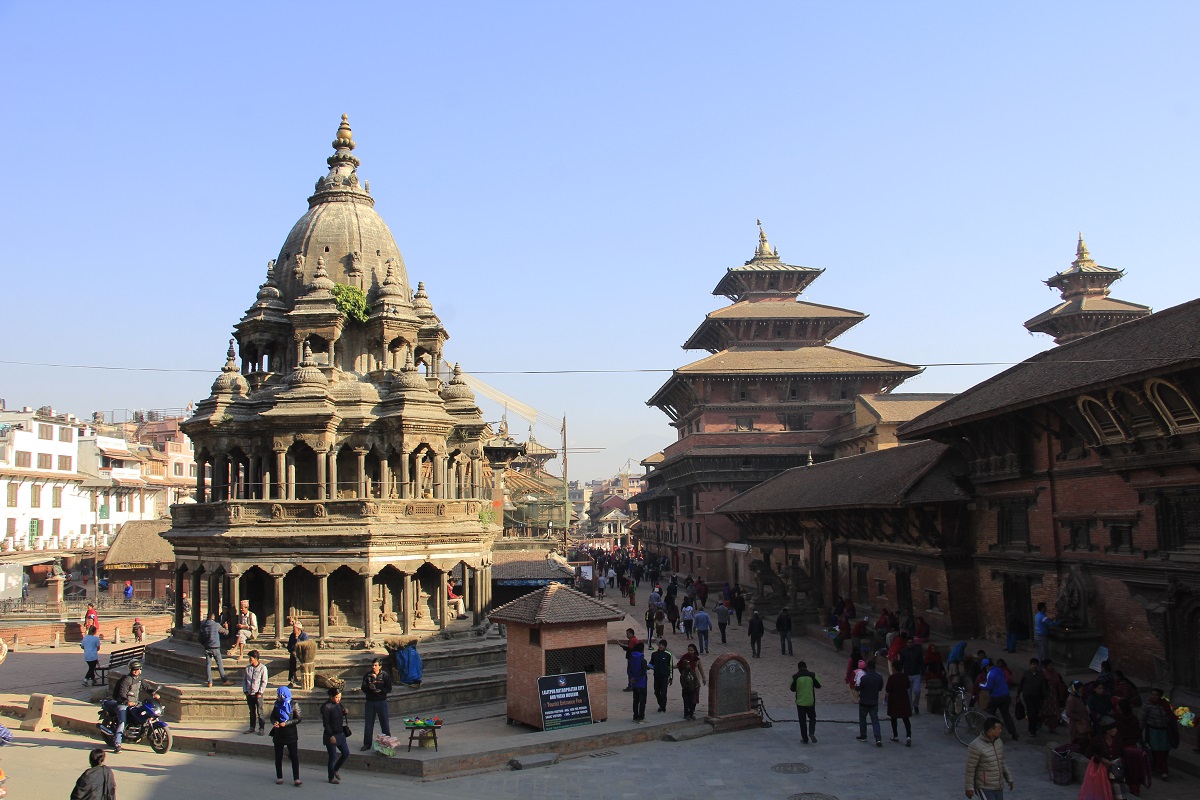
[{"x": 458, "y": 671}]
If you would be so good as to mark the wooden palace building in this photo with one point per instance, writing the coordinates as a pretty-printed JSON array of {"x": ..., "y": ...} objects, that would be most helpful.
[{"x": 765, "y": 399}]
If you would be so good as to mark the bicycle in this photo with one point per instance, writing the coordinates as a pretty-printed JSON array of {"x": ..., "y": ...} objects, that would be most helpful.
[{"x": 966, "y": 723}]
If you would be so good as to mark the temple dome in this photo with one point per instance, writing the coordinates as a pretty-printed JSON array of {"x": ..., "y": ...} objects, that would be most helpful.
[{"x": 341, "y": 226}]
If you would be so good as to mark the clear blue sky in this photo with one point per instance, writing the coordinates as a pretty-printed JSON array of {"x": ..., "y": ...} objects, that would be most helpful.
[{"x": 571, "y": 179}]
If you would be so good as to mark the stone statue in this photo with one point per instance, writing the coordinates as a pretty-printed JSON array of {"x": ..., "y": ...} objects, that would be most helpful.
[
  {"x": 298, "y": 266},
  {"x": 771, "y": 591},
  {"x": 1068, "y": 606}
]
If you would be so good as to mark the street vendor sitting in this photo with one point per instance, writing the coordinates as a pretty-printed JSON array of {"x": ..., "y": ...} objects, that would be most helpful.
[{"x": 454, "y": 600}]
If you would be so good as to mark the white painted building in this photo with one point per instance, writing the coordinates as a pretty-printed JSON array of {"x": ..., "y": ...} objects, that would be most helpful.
[{"x": 59, "y": 479}]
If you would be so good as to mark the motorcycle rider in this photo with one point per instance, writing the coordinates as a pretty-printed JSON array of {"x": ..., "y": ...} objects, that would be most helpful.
[{"x": 127, "y": 694}]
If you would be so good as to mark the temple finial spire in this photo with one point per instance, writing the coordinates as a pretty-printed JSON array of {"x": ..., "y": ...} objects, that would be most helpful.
[
  {"x": 1081, "y": 250},
  {"x": 764, "y": 247},
  {"x": 230, "y": 359},
  {"x": 344, "y": 137}
]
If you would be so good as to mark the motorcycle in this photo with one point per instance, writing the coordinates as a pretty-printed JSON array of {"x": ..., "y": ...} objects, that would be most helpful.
[{"x": 143, "y": 722}]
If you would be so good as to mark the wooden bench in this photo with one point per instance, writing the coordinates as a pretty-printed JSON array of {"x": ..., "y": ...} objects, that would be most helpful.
[{"x": 121, "y": 658}]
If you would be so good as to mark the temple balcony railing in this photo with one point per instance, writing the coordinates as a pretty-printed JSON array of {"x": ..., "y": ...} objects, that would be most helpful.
[{"x": 254, "y": 512}]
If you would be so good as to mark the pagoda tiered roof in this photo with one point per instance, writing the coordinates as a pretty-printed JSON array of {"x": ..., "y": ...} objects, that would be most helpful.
[
  {"x": 756, "y": 321},
  {"x": 1086, "y": 306}
]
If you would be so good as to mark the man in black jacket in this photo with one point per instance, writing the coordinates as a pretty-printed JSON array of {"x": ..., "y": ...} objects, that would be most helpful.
[
  {"x": 663, "y": 664},
  {"x": 783, "y": 626},
  {"x": 127, "y": 694},
  {"x": 96, "y": 783},
  {"x": 756, "y": 629},
  {"x": 376, "y": 685},
  {"x": 869, "y": 687}
]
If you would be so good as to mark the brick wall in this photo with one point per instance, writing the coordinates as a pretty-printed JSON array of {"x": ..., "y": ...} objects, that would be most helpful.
[
  {"x": 42, "y": 633},
  {"x": 526, "y": 663}
]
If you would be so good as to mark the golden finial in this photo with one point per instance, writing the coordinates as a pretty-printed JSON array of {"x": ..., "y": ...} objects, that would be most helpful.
[
  {"x": 344, "y": 136},
  {"x": 1081, "y": 250},
  {"x": 764, "y": 247}
]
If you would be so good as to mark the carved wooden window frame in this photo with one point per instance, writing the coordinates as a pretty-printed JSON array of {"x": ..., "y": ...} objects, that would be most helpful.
[
  {"x": 1147, "y": 428},
  {"x": 1153, "y": 388},
  {"x": 1086, "y": 404}
]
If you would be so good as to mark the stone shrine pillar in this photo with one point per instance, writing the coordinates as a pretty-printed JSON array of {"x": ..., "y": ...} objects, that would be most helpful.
[
  {"x": 196, "y": 600},
  {"x": 279, "y": 620},
  {"x": 368, "y": 611},
  {"x": 442, "y": 605},
  {"x": 323, "y": 603}
]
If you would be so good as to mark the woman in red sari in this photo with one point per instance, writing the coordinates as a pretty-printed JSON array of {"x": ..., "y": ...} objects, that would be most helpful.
[{"x": 1056, "y": 696}]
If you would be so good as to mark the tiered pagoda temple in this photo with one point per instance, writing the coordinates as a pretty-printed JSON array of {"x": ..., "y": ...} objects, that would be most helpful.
[
  {"x": 347, "y": 468},
  {"x": 765, "y": 400},
  {"x": 1086, "y": 306}
]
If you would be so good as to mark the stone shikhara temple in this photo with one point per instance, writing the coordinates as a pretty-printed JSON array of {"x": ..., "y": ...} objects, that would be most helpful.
[{"x": 347, "y": 473}]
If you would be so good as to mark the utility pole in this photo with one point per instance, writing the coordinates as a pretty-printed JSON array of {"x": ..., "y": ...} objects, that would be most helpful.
[{"x": 566, "y": 488}]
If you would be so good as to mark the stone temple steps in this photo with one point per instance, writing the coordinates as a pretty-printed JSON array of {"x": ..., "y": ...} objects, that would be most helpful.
[{"x": 457, "y": 672}]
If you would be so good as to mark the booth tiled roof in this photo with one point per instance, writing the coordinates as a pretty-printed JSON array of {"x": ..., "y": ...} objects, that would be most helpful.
[{"x": 555, "y": 604}]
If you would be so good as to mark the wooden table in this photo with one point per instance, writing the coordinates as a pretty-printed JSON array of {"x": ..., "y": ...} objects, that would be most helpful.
[{"x": 414, "y": 732}]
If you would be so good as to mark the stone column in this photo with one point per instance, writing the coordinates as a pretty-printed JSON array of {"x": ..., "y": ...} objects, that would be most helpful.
[
  {"x": 476, "y": 606},
  {"x": 333, "y": 476},
  {"x": 196, "y": 601},
  {"x": 368, "y": 608},
  {"x": 280, "y": 475},
  {"x": 321, "y": 488},
  {"x": 385, "y": 479},
  {"x": 178, "y": 600},
  {"x": 291, "y": 476},
  {"x": 441, "y": 600},
  {"x": 235, "y": 595},
  {"x": 406, "y": 602},
  {"x": 405, "y": 489},
  {"x": 362, "y": 473},
  {"x": 278, "y": 608},
  {"x": 200, "y": 480},
  {"x": 323, "y": 601},
  {"x": 220, "y": 478},
  {"x": 264, "y": 476}
]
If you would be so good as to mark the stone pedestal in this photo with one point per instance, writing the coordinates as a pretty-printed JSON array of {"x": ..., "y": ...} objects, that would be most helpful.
[
  {"x": 38, "y": 715},
  {"x": 54, "y": 597},
  {"x": 1073, "y": 647}
]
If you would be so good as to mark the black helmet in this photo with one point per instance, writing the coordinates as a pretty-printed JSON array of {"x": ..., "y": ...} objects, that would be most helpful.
[{"x": 134, "y": 665}]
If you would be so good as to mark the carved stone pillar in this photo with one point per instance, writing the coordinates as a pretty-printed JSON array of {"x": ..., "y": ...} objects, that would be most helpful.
[
  {"x": 279, "y": 492},
  {"x": 362, "y": 473},
  {"x": 441, "y": 601},
  {"x": 406, "y": 602},
  {"x": 264, "y": 475},
  {"x": 385, "y": 479},
  {"x": 235, "y": 595},
  {"x": 196, "y": 600},
  {"x": 476, "y": 607},
  {"x": 178, "y": 600},
  {"x": 200, "y": 480},
  {"x": 405, "y": 488},
  {"x": 290, "y": 460},
  {"x": 333, "y": 476},
  {"x": 368, "y": 608},
  {"x": 220, "y": 479},
  {"x": 279, "y": 620},
  {"x": 323, "y": 603},
  {"x": 321, "y": 487}
]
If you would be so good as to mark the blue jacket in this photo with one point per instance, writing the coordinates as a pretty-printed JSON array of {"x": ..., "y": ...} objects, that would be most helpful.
[
  {"x": 996, "y": 683},
  {"x": 636, "y": 670},
  {"x": 703, "y": 621},
  {"x": 1042, "y": 624},
  {"x": 408, "y": 661}
]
